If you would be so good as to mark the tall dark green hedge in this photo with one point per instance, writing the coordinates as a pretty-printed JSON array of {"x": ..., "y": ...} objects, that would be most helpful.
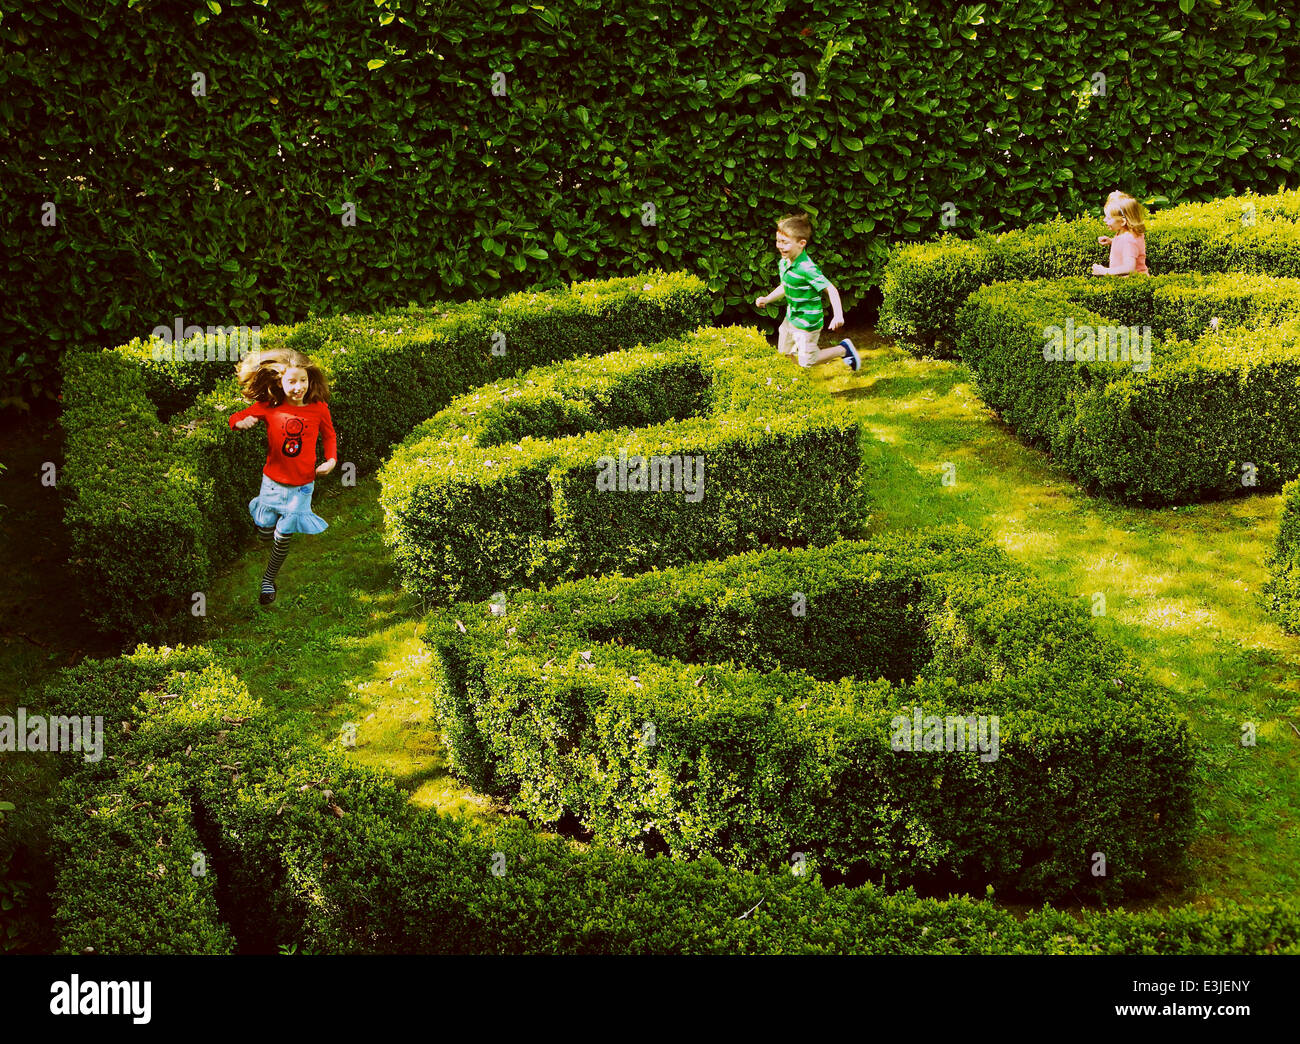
[{"x": 228, "y": 207}]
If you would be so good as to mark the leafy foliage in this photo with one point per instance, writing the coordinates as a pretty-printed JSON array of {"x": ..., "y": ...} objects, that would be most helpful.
[
  {"x": 158, "y": 498},
  {"x": 1215, "y": 413},
  {"x": 502, "y": 488},
  {"x": 308, "y": 852},
  {"x": 925, "y": 285},
  {"x": 228, "y": 203},
  {"x": 1280, "y": 595},
  {"x": 770, "y": 721}
]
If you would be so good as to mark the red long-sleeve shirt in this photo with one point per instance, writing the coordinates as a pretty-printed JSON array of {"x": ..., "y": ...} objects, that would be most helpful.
[{"x": 291, "y": 433}]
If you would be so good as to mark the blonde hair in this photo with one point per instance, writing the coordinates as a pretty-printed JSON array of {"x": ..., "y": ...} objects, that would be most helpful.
[
  {"x": 1124, "y": 206},
  {"x": 796, "y": 226},
  {"x": 260, "y": 375}
]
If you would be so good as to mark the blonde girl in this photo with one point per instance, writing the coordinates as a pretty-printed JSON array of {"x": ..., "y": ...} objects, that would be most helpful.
[{"x": 1128, "y": 246}]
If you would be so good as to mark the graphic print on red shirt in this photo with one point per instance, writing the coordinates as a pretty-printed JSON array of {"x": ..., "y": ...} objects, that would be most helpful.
[{"x": 289, "y": 430}]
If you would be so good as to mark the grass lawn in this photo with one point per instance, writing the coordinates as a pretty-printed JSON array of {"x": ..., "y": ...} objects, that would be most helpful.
[{"x": 340, "y": 644}]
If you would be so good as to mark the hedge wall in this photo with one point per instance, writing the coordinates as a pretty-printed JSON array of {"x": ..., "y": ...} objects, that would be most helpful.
[
  {"x": 127, "y": 872},
  {"x": 1280, "y": 594},
  {"x": 926, "y": 284},
  {"x": 308, "y": 849},
  {"x": 745, "y": 709},
  {"x": 157, "y": 485},
  {"x": 504, "y": 488},
  {"x": 1216, "y": 411},
  {"x": 489, "y": 147}
]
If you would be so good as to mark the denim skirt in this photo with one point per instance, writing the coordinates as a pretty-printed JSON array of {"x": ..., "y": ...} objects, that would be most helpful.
[{"x": 288, "y": 508}]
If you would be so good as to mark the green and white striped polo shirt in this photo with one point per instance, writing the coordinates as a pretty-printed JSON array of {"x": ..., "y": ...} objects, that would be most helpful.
[{"x": 804, "y": 283}]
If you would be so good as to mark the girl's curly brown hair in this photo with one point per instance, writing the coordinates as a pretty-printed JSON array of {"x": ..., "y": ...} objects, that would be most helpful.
[{"x": 260, "y": 375}]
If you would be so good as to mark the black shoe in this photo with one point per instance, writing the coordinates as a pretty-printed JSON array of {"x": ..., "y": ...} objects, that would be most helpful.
[
  {"x": 851, "y": 354},
  {"x": 267, "y": 599}
]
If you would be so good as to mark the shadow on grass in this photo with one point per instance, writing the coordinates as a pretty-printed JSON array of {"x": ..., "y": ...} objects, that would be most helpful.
[
  {"x": 435, "y": 771},
  {"x": 935, "y": 383},
  {"x": 341, "y": 644}
]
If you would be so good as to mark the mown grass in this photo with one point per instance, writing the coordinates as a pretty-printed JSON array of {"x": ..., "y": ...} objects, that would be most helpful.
[
  {"x": 341, "y": 643},
  {"x": 340, "y": 646}
]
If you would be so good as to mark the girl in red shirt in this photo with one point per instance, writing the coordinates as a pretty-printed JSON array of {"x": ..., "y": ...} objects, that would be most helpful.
[{"x": 290, "y": 394}]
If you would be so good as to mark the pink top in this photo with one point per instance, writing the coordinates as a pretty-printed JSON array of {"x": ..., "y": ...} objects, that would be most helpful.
[{"x": 1126, "y": 247}]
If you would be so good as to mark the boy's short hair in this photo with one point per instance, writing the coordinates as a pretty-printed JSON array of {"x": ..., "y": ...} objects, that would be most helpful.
[{"x": 796, "y": 226}]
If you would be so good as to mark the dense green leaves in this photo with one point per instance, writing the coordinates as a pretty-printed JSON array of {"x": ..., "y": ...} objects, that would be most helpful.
[
  {"x": 926, "y": 284},
  {"x": 503, "y": 487},
  {"x": 902, "y": 106},
  {"x": 769, "y": 684},
  {"x": 1281, "y": 592},
  {"x": 1213, "y": 410}
]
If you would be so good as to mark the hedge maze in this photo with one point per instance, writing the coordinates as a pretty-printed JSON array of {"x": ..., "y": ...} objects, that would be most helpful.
[
  {"x": 748, "y": 709},
  {"x": 926, "y": 284},
  {"x": 1207, "y": 406},
  {"x": 578, "y": 469},
  {"x": 1210, "y": 413},
  {"x": 159, "y": 486},
  {"x": 300, "y": 846},
  {"x": 656, "y": 618}
]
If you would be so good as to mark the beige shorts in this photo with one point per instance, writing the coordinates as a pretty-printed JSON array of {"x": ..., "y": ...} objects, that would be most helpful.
[{"x": 801, "y": 343}]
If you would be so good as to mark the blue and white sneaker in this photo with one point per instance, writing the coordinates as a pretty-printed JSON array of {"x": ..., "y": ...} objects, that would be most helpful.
[{"x": 851, "y": 355}]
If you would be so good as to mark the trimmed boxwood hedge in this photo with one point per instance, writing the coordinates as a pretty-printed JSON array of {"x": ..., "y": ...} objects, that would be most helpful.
[
  {"x": 501, "y": 489},
  {"x": 115, "y": 880},
  {"x": 158, "y": 485},
  {"x": 729, "y": 708},
  {"x": 128, "y": 874},
  {"x": 1217, "y": 412},
  {"x": 309, "y": 849},
  {"x": 925, "y": 284},
  {"x": 112, "y": 688},
  {"x": 1280, "y": 595}
]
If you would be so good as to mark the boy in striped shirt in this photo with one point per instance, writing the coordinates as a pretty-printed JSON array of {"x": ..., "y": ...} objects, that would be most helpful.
[{"x": 801, "y": 286}]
